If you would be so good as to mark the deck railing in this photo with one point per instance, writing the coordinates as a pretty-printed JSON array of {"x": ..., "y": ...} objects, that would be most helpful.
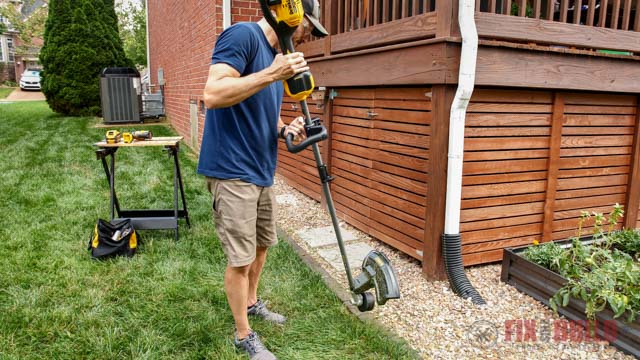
[
  {"x": 610, "y": 14},
  {"x": 593, "y": 25},
  {"x": 359, "y": 14},
  {"x": 350, "y": 15}
]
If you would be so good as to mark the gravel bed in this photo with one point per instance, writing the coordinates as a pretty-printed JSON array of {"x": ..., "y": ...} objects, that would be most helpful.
[{"x": 431, "y": 318}]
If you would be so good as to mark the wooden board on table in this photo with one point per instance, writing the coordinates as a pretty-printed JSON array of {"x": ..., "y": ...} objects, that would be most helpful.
[{"x": 156, "y": 141}]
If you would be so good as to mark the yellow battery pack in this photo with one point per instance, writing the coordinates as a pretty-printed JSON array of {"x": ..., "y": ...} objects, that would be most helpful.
[{"x": 112, "y": 137}]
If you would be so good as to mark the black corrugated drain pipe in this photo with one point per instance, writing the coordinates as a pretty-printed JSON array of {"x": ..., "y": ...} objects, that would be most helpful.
[{"x": 452, "y": 252}]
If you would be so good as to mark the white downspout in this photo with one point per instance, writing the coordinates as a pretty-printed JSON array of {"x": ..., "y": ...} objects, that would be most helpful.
[
  {"x": 451, "y": 239},
  {"x": 146, "y": 7},
  {"x": 226, "y": 13},
  {"x": 466, "y": 81}
]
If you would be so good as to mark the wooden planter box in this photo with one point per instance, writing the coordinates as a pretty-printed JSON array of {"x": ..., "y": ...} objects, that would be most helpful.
[{"x": 542, "y": 284}]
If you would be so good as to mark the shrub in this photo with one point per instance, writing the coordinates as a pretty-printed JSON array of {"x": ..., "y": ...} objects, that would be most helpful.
[{"x": 80, "y": 39}]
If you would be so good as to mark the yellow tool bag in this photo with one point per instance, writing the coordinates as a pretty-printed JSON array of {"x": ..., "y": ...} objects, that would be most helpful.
[{"x": 114, "y": 238}]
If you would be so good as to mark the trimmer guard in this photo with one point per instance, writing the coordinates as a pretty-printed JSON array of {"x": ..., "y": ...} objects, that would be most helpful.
[{"x": 384, "y": 278}]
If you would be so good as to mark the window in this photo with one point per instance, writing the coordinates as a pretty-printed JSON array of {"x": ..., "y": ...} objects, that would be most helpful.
[
  {"x": 1, "y": 46},
  {"x": 10, "y": 50}
]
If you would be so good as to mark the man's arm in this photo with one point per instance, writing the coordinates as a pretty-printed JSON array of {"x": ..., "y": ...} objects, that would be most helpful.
[{"x": 225, "y": 87}]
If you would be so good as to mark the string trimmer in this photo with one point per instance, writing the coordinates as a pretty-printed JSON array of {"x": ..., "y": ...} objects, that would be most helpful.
[{"x": 377, "y": 272}]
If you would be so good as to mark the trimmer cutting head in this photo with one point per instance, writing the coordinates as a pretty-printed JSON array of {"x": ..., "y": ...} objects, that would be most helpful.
[
  {"x": 385, "y": 280},
  {"x": 377, "y": 273}
]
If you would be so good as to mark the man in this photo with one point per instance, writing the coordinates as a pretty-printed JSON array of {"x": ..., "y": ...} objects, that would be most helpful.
[{"x": 238, "y": 156}]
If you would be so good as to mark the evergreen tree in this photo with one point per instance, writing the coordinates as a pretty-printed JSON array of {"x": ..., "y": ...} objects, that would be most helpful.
[{"x": 80, "y": 39}]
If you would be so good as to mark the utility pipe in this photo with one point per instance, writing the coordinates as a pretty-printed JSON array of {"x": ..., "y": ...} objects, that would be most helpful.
[
  {"x": 451, "y": 240},
  {"x": 146, "y": 14},
  {"x": 226, "y": 13}
]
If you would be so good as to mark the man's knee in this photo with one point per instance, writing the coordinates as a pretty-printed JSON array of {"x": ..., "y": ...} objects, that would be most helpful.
[{"x": 238, "y": 270}]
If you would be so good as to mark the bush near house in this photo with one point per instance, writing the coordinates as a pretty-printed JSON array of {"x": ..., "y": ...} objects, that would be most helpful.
[{"x": 80, "y": 39}]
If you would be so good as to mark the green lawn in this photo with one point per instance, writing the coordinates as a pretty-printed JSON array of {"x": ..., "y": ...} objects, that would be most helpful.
[
  {"x": 168, "y": 301},
  {"x": 5, "y": 91}
]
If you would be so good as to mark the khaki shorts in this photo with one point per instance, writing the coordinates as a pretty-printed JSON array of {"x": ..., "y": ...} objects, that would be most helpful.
[{"x": 244, "y": 215}]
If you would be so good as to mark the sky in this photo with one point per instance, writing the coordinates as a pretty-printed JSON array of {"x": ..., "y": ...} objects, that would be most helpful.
[{"x": 129, "y": 2}]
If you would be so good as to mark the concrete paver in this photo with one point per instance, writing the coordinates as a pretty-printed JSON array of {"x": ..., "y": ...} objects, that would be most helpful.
[
  {"x": 356, "y": 253},
  {"x": 324, "y": 236}
]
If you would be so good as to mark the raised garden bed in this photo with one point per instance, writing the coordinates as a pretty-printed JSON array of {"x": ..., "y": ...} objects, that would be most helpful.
[{"x": 541, "y": 284}]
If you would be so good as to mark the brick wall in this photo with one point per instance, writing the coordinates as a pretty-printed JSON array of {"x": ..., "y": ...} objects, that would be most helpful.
[{"x": 182, "y": 35}]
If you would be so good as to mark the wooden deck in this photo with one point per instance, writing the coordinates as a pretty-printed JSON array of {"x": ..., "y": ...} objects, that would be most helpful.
[{"x": 552, "y": 128}]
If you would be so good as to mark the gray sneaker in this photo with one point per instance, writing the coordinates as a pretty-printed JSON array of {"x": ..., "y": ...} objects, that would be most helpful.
[
  {"x": 259, "y": 309},
  {"x": 254, "y": 347}
]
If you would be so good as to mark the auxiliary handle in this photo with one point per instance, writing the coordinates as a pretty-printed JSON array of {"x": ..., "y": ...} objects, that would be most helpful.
[{"x": 316, "y": 132}]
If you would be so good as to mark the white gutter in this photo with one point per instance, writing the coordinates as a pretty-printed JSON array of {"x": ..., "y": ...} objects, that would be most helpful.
[
  {"x": 226, "y": 13},
  {"x": 466, "y": 81}
]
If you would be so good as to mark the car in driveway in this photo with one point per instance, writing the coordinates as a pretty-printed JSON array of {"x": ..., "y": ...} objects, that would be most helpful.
[{"x": 30, "y": 80}]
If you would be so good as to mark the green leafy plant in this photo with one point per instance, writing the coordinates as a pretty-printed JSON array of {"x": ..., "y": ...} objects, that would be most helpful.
[
  {"x": 26, "y": 19},
  {"x": 545, "y": 255},
  {"x": 605, "y": 273},
  {"x": 132, "y": 23},
  {"x": 627, "y": 241}
]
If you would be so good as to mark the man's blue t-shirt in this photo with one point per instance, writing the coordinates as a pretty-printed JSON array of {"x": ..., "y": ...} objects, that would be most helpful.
[{"x": 241, "y": 141}]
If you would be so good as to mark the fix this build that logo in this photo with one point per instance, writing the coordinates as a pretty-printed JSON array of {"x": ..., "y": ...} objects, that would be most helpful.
[
  {"x": 530, "y": 331},
  {"x": 561, "y": 330}
]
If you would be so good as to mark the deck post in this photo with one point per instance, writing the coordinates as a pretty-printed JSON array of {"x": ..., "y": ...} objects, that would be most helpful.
[
  {"x": 330, "y": 15},
  {"x": 447, "y": 23},
  {"x": 633, "y": 187},
  {"x": 432, "y": 259},
  {"x": 553, "y": 167}
]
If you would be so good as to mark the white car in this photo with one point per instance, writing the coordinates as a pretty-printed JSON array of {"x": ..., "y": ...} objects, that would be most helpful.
[{"x": 30, "y": 80}]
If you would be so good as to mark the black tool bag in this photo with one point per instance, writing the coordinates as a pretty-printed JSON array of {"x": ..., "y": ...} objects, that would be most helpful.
[{"x": 113, "y": 238}]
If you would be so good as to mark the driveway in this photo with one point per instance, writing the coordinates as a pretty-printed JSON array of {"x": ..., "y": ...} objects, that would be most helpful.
[{"x": 20, "y": 95}]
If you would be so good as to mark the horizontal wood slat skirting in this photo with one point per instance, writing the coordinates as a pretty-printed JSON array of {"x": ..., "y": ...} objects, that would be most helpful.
[{"x": 533, "y": 160}]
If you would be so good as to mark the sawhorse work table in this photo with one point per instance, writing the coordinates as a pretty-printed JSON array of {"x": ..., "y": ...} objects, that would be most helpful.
[{"x": 146, "y": 219}]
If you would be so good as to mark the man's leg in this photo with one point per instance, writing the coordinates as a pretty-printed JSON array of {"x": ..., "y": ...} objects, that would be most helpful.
[
  {"x": 266, "y": 237},
  {"x": 254, "y": 275},
  {"x": 235, "y": 215},
  {"x": 236, "y": 286}
]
